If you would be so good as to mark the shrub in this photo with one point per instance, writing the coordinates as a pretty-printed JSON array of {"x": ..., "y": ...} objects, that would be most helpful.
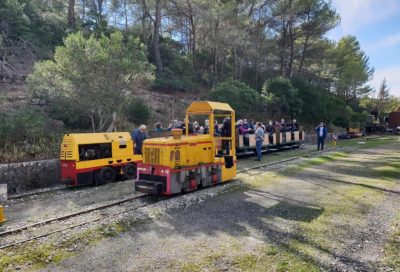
[
  {"x": 243, "y": 99},
  {"x": 137, "y": 111}
]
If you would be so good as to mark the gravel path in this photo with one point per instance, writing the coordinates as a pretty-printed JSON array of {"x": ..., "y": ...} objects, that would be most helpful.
[{"x": 333, "y": 216}]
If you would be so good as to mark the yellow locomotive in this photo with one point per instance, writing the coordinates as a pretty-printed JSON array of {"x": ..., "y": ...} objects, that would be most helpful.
[
  {"x": 183, "y": 163},
  {"x": 97, "y": 158}
]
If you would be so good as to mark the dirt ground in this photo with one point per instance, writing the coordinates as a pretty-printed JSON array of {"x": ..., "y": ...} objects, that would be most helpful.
[{"x": 336, "y": 213}]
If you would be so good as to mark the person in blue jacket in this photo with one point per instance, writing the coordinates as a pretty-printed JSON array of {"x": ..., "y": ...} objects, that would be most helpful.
[
  {"x": 321, "y": 135},
  {"x": 139, "y": 136}
]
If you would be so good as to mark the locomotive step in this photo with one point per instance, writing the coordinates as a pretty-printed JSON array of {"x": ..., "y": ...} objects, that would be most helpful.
[{"x": 150, "y": 187}]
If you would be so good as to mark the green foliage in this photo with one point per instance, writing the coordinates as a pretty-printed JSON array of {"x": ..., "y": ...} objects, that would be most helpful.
[
  {"x": 353, "y": 69},
  {"x": 286, "y": 98},
  {"x": 32, "y": 22},
  {"x": 27, "y": 133},
  {"x": 178, "y": 73},
  {"x": 137, "y": 111},
  {"x": 243, "y": 99},
  {"x": 13, "y": 19},
  {"x": 91, "y": 73},
  {"x": 24, "y": 124}
]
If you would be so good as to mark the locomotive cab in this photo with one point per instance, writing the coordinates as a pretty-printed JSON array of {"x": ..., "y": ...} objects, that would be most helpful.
[{"x": 183, "y": 163}]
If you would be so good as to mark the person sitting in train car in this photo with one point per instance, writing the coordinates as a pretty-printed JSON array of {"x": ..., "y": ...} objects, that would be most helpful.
[
  {"x": 246, "y": 125},
  {"x": 259, "y": 140},
  {"x": 283, "y": 125},
  {"x": 288, "y": 126},
  {"x": 201, "y": 130},
  {"x": 217, "y": 130},
  {"x": 226, "y": 131},
  {"x": 206, "y": 127},
  {"x": 139, "y": 136},
  {"x": 270, "y": 130},
  {"x": 244, "y": 132},
  {"x": 196, "y": 127},
  {"x": 158, "y": 127},
  {"x": 170, "y": 126},
  {"x": 175, "y": 124},
  {"x": 252, "y": 125},
  {"x": 295, "y": 125}
]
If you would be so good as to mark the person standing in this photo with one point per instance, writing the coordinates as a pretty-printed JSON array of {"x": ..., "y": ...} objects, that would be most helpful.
[
  {"x": 139, "y": 136},
  {"x": 321, "y": 135},
  {"x": 226, "y": 131},
  {"x": 259, "y": 140}
]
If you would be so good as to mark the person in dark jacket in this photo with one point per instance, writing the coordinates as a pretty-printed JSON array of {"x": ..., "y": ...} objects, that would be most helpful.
[
  {"x": 321, "y": 135},
  {"x": 226, "y": 131},
  {"x": 139, "y": 136},
  {"x": 295, "y": 125}
]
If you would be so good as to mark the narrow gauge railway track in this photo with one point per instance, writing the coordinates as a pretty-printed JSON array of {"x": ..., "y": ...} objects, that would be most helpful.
[
  {"x": 115, "y": 203},
  {"x": 71, "y": 215},
  {"x": 64, "y": 188}
]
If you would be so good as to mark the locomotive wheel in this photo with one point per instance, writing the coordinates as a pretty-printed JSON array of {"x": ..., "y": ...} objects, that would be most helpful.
[
  {"x": 130, "y": 170},
  {"x": 105, "y": 175}
]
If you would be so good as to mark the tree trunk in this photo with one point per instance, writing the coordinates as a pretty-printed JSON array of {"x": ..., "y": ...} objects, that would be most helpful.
[
  {"x": 126, "y": 14},
  {"x": 289, "y": 71},
  {"x": 83, "y": 10},
  {"x": 156, "y": 37},
  {"x": 91, "y": 116},
  {"x": 303, "y": 56},
  {"x": 71, "y": 14},
  {"x": 283, "y": 54}
]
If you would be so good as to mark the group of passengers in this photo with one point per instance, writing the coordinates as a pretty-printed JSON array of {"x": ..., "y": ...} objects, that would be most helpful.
[
  {"x": 194, "y": 127},
  {"x": 244, "y": 128},
  {"x": 248, "y": 127}
]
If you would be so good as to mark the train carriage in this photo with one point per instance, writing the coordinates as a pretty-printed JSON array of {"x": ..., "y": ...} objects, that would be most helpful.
[
  {"x": 183, "y": 163},
  {"x": 276, "y": 141}
]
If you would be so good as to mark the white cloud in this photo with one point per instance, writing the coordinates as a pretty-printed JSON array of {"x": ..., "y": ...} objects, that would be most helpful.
[
  {"x": 392, "y": 75},
  {"x": 388, "y": 41},
  {"x": 356, "y": 14}
]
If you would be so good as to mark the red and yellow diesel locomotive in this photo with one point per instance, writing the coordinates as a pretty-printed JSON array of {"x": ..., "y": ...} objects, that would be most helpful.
[
  {"x": 97, "y": 158},
  {"x": 183, "y": 163}
]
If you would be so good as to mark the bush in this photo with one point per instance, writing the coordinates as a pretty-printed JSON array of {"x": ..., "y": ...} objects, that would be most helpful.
[
  {"x": 73, "y": 117},
  {"x": 243, "y": 99},
  {"x": 25, "y": 124},
  {"x": 137, "y": 112},
  {"x": 288, "y": 102},
  {"x": 25, "y": 134}
]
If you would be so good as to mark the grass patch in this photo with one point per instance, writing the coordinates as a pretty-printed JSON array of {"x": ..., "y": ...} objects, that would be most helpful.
[
  {"x": 271, "y": 258},
  {"x": 392, "y": 247},
  {"x": 39, "y": 255}
]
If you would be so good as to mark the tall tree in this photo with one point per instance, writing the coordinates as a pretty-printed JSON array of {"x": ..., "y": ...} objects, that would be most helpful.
[
  {"x": 71, "y": 14},
  {"x": 92, "y": 73},
  {"x": 382, "y": 99},
  {"x": 353, "y": 68}
]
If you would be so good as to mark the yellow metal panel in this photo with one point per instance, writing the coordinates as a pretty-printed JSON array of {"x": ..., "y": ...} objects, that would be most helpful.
[
  {"x": 229, "y": 173},
  {"x": 2, "y": 216}
]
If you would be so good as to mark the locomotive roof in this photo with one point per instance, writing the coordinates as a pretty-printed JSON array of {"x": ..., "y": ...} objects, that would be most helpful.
[
  {"x": 209, "y": 106},
  {"x": 95, "y": 138}
]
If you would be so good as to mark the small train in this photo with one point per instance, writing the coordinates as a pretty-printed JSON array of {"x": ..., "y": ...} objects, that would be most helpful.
[
  {"x": 170, "y": 164},
  {"x": 97, "y": 158},
  {"x": 183, "y": 163}
]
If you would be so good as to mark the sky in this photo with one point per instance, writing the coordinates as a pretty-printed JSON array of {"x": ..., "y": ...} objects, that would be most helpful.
[{"x": 376, "y": 24}]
